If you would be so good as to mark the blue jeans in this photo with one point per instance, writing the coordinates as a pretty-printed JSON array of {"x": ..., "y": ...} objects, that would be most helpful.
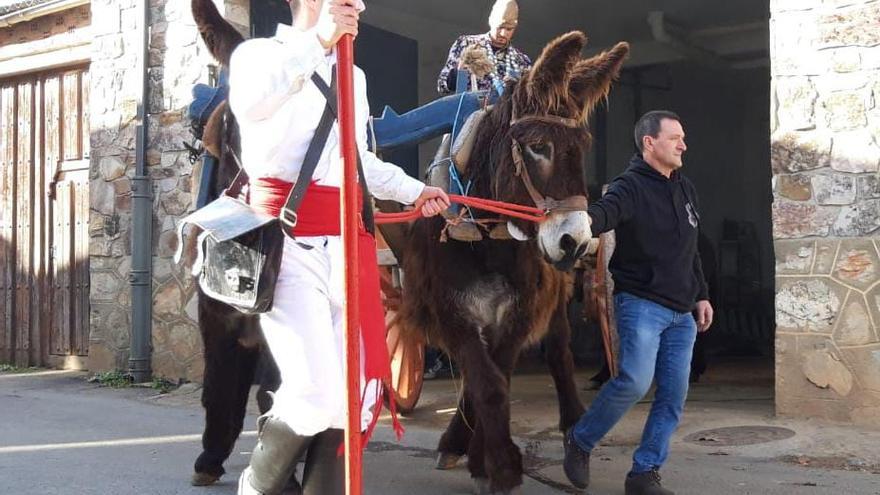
[{"x": 655, "y": 342}]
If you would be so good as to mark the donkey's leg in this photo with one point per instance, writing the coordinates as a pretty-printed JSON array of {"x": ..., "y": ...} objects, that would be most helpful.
[
  {"x": 269, "y": 379},
  {"x": 504, "y": 357},
  {"x": 488, "y": 390},
  {"x": 561, "y": 362},
  {"x": 229, "y": 367},
  {"x": 457, "y": 437}
]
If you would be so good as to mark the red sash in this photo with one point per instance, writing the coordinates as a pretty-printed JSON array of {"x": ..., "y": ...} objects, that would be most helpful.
[{"x": 318, "y": 215}]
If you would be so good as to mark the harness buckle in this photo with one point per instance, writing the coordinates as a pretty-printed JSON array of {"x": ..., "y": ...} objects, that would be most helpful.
[{"x": 288, "y": 218}]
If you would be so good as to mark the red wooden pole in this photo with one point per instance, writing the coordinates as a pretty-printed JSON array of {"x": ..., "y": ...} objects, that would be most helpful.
[{"x": 349, "y": 212}]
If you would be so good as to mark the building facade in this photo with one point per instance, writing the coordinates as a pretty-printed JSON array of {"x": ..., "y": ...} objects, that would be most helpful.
[{"x": 70, "y": 89}]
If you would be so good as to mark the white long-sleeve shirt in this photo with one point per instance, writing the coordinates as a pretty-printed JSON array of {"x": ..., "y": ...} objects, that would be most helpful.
[{"x": 278, "y": 109}]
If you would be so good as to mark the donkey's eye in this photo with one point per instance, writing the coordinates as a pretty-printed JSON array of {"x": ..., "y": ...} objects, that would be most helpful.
[{"x": 542, "y": 149}]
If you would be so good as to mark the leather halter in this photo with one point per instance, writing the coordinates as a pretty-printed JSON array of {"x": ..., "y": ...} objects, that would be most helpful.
[{"x": 546, "y": 203}]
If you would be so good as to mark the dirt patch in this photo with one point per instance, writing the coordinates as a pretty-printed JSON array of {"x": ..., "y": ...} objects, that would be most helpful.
[{"x": 837, "y": 463}]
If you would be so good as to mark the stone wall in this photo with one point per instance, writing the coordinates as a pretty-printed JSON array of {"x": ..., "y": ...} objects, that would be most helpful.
[
  {"x": 825, "y": 119},
  {"x": 178, "y": 59}
]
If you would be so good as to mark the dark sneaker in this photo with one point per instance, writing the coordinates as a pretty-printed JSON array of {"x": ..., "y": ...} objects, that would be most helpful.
[
  {"x": 646, "y": 484},
  {"x": 576, "y": 463},
  {"x": 438, "y": 369}
]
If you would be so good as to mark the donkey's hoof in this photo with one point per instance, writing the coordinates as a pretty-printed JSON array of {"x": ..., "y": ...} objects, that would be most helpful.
[
  {"x": 446, "y": 461},
  {"x": 482, "y": 486},
  {"x": 204, "y": 479}
]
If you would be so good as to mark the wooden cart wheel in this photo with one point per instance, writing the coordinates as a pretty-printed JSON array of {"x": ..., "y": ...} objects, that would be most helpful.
[{"x": 407, "y": 353}]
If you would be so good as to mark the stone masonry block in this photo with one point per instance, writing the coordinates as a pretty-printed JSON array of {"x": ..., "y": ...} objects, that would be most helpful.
[
  {"x": 846, "y": 224},
  {"x": 869, "y": 216},
  {"x": 163, "y": 268},
  {"x": 112, "y": 167},
  {"x": 824, "y": 369},
  {"x": 184, "y": 340},
  {"x": 872, "y": 298},
  {"x": 794, "y": 187},
  {"x": 176, "y": 202},
  {"x": 102, "y": 357},
  {"x": 807, "y": 304},
  {"x": 797, "y": 104},
  {"x": 800, "y": 151},
  {"x": 856, "y": 26},
  {"x": 865, "y": 362},
  {"x": 167, "y": 244},
  {"x": 855, "y": 152},
  {"x": 846, "y": 60},
  {"x": 105, "y": 286},
  {"x": 857, "y": 264},
  {"x": 826, "y": 253},
  {"x": 795, "y": 393},
  {"x": 834, "y": 189},
  {"x": 794, "y": 257},
  {"x": 102, "y": 197},
  {"x": 845, "y": 110},
  {"x": 854, "y": 326},
  {"x": 793, "y": 220},
  {"x": 869, "y": 187},
  {"x": 168, "y": 301},
  {"x": 789, "y": 34}
]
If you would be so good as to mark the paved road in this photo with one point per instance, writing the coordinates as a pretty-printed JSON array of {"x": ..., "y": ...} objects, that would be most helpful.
[{"x": 61, "y": 435}]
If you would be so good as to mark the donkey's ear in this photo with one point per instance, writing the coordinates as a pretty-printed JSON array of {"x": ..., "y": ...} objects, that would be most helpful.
[
  {"x": 550, "y": 73},
  {"x": 218, "y": 34},
  {"x": 591, "y": 78}
]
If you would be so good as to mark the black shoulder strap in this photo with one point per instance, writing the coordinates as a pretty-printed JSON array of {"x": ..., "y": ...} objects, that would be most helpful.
[
  {"x": 330, "y": 95},
  {"x": 313, "y": 155}
]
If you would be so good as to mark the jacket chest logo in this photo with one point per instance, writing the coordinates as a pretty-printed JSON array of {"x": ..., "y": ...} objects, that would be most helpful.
[{"x": 693, "y": 217}]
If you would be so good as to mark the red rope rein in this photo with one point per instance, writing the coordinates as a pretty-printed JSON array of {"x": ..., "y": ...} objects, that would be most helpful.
[{"x": 529, "y": 213}]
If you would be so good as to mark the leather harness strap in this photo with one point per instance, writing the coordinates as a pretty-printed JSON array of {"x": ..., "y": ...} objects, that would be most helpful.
[{"x": 546, "y": 203}]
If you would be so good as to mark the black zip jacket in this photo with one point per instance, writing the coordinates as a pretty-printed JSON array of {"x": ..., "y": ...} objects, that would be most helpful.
[{"x": 656, "y": 224}]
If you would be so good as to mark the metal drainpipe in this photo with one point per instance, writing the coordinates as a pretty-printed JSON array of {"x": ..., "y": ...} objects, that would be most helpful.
[{"x": 141, "y": 274}]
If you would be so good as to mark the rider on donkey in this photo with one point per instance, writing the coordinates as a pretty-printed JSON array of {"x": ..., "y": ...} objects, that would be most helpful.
[
  {"x": 489, "y": 56},
  {"x": 278, "y": 103},
  {"x": 492, "y": 60}
]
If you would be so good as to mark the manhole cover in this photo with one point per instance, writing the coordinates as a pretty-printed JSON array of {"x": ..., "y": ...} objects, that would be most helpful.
[{"x": 739, "y": 435}]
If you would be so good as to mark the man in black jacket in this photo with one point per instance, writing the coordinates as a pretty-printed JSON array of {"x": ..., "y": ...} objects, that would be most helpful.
[{"x": 658, "y": 283}]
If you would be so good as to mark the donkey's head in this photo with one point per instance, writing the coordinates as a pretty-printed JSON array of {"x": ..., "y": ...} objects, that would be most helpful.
[{"x": 536, "y": 140}]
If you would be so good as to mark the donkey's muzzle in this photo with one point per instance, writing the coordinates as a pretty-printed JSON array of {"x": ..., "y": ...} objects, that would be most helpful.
[{"x": 572, "y": 251}]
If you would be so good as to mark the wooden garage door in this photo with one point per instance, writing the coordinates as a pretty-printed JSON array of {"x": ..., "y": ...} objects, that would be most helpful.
[{"x": 44, "y": 208}]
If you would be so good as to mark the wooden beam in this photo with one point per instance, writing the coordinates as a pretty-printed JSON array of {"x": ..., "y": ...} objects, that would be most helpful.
[{"x": 71, "y": 55}]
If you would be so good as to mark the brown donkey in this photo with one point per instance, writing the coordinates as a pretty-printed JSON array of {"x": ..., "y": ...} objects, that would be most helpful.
[
  {"x": 483, "y": 301},
  {"x": 232, "y": 344}
]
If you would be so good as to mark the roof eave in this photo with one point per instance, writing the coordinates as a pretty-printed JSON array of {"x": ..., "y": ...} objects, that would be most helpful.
[{"x": 31, "y": 13}]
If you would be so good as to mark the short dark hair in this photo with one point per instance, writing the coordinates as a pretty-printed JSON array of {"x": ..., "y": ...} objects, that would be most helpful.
[{"x": 649, "y": 125}]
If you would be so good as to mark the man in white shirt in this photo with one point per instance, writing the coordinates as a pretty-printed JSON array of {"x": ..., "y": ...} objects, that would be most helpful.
[{"x": 278, "y": 108}]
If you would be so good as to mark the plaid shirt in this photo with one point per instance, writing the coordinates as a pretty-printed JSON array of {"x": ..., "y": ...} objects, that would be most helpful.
[{"x": 508, "y": 62}]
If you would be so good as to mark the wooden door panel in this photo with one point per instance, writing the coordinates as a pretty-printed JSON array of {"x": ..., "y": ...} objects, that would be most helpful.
[
  {"x": 24, "y": 221},
  {"x": 44, "y": 213},
  {"x": 7, "y": 219}
]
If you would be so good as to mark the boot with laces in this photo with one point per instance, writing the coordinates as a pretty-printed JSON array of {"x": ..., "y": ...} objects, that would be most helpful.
[
  {"x": 647, "y": 483},
  {"x": 576, "y": 463}
]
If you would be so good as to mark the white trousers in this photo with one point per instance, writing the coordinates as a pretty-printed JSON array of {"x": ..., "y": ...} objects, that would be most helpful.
[{"x": 305, "y": 333}]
